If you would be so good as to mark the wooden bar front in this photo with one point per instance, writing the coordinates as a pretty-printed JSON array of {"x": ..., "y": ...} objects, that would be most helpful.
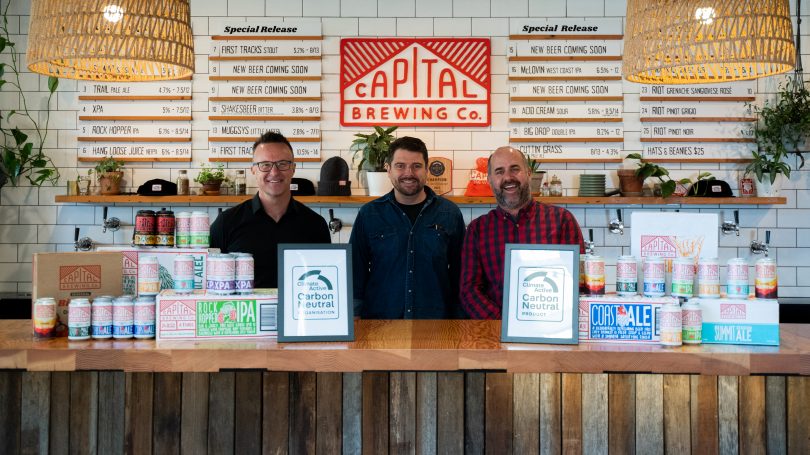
[{"x": 401, "y": 387}]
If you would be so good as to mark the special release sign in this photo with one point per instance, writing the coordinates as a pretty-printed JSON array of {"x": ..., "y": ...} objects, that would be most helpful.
[{"x": 415, "y": 81}]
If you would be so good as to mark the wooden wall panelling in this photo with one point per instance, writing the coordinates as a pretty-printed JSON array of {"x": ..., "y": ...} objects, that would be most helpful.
[
  {"x": 221, "y": 412},
  {"x": 303, "y": 393},
  {"x": 649, "y": 414},
  {"x": 622, "y": 414},
  {"x": 168, "y": 401},
  {"x": 375, "y": 413},
  {"x": 474, "y": 411},
  {"x": 194, "y": 413},
  {"x": 248, "y": 412},
  {"x": 753, "y": 436},
  {"x": 352, "y": 413},
  {"x": 426, "y": 413},
  {"x": 10, "y": 397},
  {"x": 595, "y": 413},
  {"x": 498, "y": 413},
  {"x": 275, "y": 412},
  {"x": 705, "y": 437},
  {"x": 450, "y": 413},
  {"x": 571, "y": 413},
  {"x": 677, "y": 432},
  {"x": 84, "y": 412},
  {"x": 798, "y": 412},
  {"x": 329, "y": 428},
  {"x": 111, "y": 411},
  {"x": 35, "y": 394},
  {"x": 58, "y": 434},
  {"x": 550, "y": 413},
  {"x": 138, "y": 413},
  {"x": 526, "y": 421},
  {"x": 402, "y": 413},
  {"x": 776, "y": 413},
  {"x": 727, "y": 414}
]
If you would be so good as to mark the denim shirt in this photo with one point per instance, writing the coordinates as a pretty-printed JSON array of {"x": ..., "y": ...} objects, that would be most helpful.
[{"x": 404, "y": 271}]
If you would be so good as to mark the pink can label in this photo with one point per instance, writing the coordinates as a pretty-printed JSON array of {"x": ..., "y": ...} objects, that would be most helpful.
[
  {"x": 738, "y": 272},
  {"x": 244, "y": 267},
  {"x": 765, "y": 270},
  {"x": 122, "y": 314},
  {"x": 708, "y": 273},
  {"x": 144, "y": 314},
  {"x": 692, "y": 318},
  {"x": 199, "y": 223},
  {"x": 148, "y": 270},
  {"x": 627, "y": 270},
  {"x": 79, "y": 315},
  {"x": 45, "y": 312},
  {"x": 653, "y": 270},
  {"x": 682, "y": 271},
  {"x": 183, "y": 224},
  {"x": 183, "y": 267},
  {"x": 102, "y": 314},
  {"x": 594, "y": 268},
  {"x": 221, "y": 267}
]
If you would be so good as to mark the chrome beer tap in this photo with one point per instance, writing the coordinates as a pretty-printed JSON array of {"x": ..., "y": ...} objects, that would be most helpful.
[
  {"x": 758, "y": 247},
  {"x": 84, "y": 243},
  {"x": 111, "y": 223},
  {"x": 335, "y": 224},
  {"x": 728, "y": 227},
  {"x": 589, "y": 242},
  {"x": 616, "y": 225}
]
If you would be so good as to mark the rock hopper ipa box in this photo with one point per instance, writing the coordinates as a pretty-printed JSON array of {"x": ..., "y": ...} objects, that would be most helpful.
[
  {"x": 207, "y": 316},
  {"x": 614, "y": 319},
  {"x": 129, "y": 276},
  {"x": 738, "y": 321}
]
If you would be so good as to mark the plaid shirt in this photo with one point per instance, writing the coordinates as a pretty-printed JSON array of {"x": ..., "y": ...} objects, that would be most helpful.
[{"x": 484, "y": 247}]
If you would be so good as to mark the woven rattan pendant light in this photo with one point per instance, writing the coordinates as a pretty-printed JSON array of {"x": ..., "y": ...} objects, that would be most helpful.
[
  {"x": 700, "y": 41},
  {"x": 112, "y": 40}
]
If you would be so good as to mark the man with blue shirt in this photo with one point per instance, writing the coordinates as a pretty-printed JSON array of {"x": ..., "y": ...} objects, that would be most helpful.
[{"x": 407, "y": 244}]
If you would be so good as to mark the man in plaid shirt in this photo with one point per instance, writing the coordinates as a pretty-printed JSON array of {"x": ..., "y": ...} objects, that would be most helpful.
[{"x": 517, "y": 219}]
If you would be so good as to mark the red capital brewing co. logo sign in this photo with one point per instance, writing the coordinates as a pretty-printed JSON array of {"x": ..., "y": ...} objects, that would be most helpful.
[{"x": 415, "y": 82}]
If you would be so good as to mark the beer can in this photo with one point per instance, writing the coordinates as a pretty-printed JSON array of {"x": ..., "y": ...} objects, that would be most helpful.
[
  {"x": 244, "y": 273},
  {"x": 79, "y": 319},
  {"x": 182, "y": 237},
  {"x": 671, "y": 325},
  {"x": 626, "y": 275},
  {"x": 737, "y": 279},
  {"x": 101, "y": 318},
  {"x": 199, "y": 229},
  {"x": 683, "y": 277},
  {"x": 145, "y": 228},
  {"x": 220, "y": 274},
  {"x": 44, "y": 317},
  {"x": 654, "y": 271},
  {"x": 122, "y": 317},
  {"x": 143, "y": 317},
  {"x": 594, "y": 275},
  {"x": 148, "y": 275},
  {"x": 165, "y": 227},
  {"x": 184, "y": 273},
  {"x": 765, "y": 281},
  {"x": 692, "y": 317},
  {"x": 708, "y": 277}
]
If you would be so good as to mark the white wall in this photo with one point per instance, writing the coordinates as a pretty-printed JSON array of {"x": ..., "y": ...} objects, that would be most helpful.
[{"x": 30, "y": 221}]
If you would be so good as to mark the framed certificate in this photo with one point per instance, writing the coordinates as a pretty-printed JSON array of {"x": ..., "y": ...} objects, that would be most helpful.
[
  {"x": 315, "y": 293},
  {"x": 541, "y": 294}
]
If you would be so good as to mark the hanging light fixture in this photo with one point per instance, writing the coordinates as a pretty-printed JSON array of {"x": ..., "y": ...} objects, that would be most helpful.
[
  {"x": 700, "y": 41},
  {"x": 111, "y": 40}
]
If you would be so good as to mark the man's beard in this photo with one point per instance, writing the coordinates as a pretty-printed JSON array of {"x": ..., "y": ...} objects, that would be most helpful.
[
  {"x": 401, "y": 188},
  {"x": 521, "y": 199}
]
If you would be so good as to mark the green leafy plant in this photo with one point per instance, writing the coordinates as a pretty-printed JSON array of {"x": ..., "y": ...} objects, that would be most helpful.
[
  {"x": 648, "y": 169},
  {"x": 22, "y": 153},
  {"x": 534, "y": 165},
  {"x": 782, "y": 125},
  {"x": 768, "y": 164},
  {"x": 372, "y": 150},
  {"x": 210, "y": 174},
  {"x": 107, "y": 164},
  {"x": 693, "y": 191}
]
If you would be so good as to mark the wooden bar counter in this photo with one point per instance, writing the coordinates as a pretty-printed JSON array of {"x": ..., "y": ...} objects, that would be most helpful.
[{"x": 401, "y": 387}]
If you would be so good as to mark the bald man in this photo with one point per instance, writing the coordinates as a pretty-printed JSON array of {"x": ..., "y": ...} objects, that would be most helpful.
[{"x": 517, "y": 219}]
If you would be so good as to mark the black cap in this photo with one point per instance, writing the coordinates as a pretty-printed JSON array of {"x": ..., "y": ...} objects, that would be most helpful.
[{"x": 335, "y": 178}]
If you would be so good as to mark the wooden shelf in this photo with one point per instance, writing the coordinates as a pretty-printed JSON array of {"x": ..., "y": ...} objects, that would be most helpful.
[{"x": 461, "y": 200}]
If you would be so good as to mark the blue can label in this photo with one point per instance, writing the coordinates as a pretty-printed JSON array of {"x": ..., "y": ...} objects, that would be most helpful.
[
  {"x": 144, "y": 330},
  {"x": 122, "y": 330},
  {"x": 102, "y": 330},
  {"x": 655, "y": 288}
]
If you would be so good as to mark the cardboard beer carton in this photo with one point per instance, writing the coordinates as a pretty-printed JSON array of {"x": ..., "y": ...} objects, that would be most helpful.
[
  {"x": 740, "y": 321},
  {"x": 203, "y": 315},
  {"x": 165, "y": 260},
  {"x": 64, "y": 276},
  {"x": 619, "y": 319}
]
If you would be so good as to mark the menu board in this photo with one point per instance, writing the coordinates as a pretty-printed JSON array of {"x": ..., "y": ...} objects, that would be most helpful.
[
  {"x": 698, "y": 122},
  {"x": 565, "y": 94},
  {"x": 266, "y": 77},
  {"x": 145, "y": 121}
]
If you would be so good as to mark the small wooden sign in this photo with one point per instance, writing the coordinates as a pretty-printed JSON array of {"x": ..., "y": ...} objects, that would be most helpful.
[
  {"x": 564, "y": 70},
  {"x": 571, "y": 152},
  {"x": 572, "y": 50},
  {"x": 566, "y": 91},
  {"x": 544, "y": 132},
  {"x": 440, "y": 175}
]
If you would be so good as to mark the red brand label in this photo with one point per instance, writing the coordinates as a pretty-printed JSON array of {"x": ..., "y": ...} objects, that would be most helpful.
[
  {"x": 732, "y": 311},
  {"x": 72, "y": 277},
  {"x": 415, "y": 82}
]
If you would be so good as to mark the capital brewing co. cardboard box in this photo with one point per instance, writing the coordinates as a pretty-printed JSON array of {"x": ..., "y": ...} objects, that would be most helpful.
[
  {"x": 615, "y": 319},
  {"x": 738, "y": 321},
  {"x": 64, "y": 276},
  {"x": 207, "y": 316},
  {"x": 165, "y": 260}
]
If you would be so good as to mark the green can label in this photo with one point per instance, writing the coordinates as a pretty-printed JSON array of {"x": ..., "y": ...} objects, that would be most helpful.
[
  {"x": 682, "y": 288},
  {"x": 78, "y": 332},
  {"x": 692, "y": 335},
  {"x": 227, "y": 318}
]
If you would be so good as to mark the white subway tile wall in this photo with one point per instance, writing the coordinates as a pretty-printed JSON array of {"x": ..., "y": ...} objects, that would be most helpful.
[{"x": 30, "y": 220}]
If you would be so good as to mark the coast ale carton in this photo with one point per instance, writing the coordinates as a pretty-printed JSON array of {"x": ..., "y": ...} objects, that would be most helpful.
[
  {"x": 165, "y": 256},
  {"x": 201, "y": 315},
  {"x": 620, "y": 319},
  {"x": 740, "y": 321},
  {"x": 64, "y": 276}
]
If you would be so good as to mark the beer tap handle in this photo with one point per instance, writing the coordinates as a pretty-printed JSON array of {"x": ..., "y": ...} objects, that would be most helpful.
[
  {"x": 76, "y": 235},
  {"x": 590, "y": 234},
  {"x": 619, "y": 215},
  {"x": 737, "y": 217},
  {"x": 104, "y": 216},
  {"x": 767, "y": 237}
]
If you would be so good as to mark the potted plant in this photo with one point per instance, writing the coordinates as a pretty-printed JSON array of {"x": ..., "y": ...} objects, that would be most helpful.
[
  {"x": 767, "y": 167},
  {"x": 646, "y": 169},
  {"x": 536, "y": 177},
  {"x": 211, "y": 178},
  {"x": 372, "y": 151},
  {"x": 22, "y": 153},
  {"x": 108, "y": 173}
]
